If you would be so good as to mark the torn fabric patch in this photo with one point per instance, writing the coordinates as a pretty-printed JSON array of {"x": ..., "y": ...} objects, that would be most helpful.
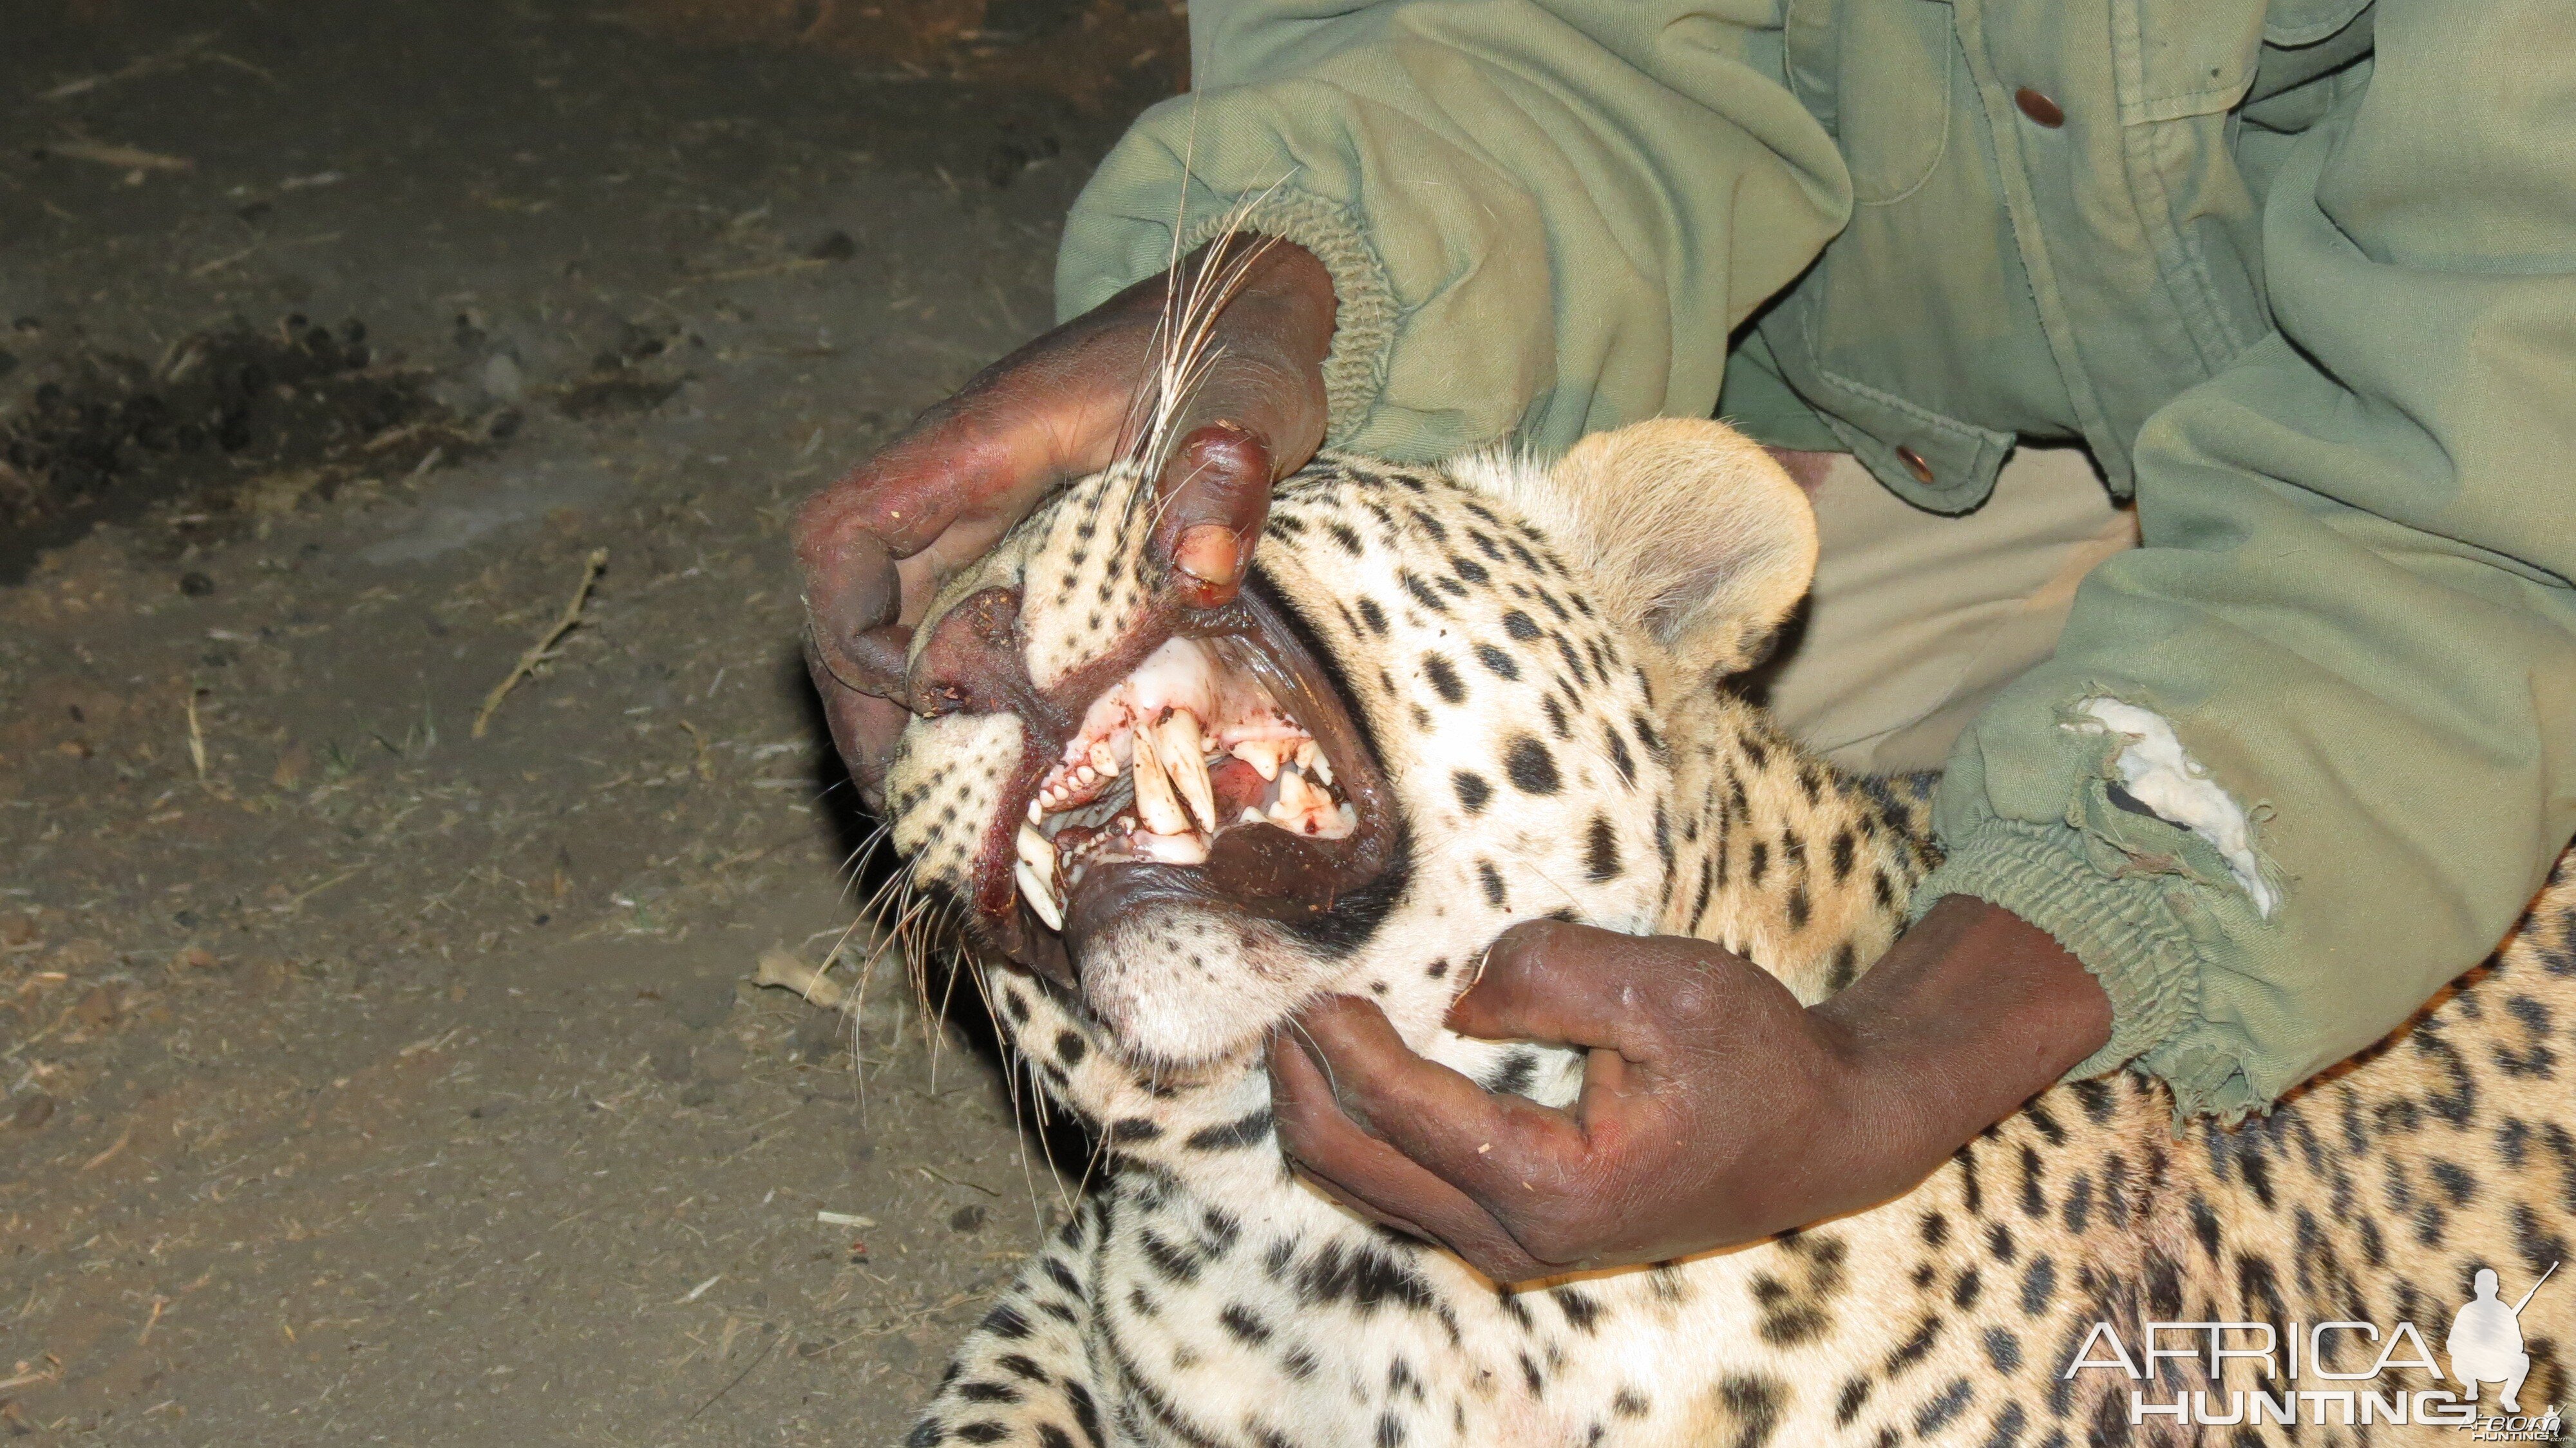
[{"x": 2160, "y": 774}]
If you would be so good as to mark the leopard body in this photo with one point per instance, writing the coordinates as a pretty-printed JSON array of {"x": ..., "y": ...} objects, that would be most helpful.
[{"x": 1541, "y": 657}]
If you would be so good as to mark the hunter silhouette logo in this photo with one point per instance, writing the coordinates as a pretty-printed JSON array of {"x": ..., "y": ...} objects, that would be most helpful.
[
  {"x": 2356, "y": 1369},
  {"x": 2486, "y": 1340}
]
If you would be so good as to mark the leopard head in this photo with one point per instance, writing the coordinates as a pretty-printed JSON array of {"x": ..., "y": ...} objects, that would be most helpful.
[{"x": 1439, "y": 706}]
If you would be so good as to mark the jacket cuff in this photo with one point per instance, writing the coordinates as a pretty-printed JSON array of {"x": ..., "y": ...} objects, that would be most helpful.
[
  {"x": 2130, "y": 934},
  {"x": 1365, "y": 308}
]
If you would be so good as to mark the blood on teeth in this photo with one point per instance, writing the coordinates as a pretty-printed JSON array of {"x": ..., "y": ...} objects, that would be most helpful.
[{"x": 1165, "y": 727}]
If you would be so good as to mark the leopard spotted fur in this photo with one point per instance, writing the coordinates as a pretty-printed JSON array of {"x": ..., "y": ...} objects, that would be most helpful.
[{"x": 1540, "y": 655}]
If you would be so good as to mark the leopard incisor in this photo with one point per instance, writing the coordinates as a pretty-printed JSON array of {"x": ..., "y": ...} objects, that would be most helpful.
[{"x": 1466, "y": 695}]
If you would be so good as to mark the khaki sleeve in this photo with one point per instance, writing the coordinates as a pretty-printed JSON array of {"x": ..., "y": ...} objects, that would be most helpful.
[
  {"x": 2308, "y": 754},
  {"x": 1542, "y": 217}
]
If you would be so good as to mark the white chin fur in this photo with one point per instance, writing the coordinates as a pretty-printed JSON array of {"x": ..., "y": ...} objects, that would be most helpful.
[{"x": 1139, "y": 982}]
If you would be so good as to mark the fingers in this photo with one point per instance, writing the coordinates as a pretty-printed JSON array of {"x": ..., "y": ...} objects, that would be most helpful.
[
  {"x": 864, "y": 728},
  {"x": 1251, "y": 423},
  {"x": 1257, "y": 416},
  {"x": 1374, "y": 1179},
  {"x": 851, "y": 588},
  {"x": 1507, "y": 1152},
  {"x": 1575, "y": 985},
  {"x": 1216, "y": 490},
  {"x": 873, "y": 545},
  {"x": 872, "y": 542}
]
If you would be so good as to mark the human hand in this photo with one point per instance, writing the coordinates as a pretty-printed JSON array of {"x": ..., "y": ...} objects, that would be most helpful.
[
  {"x": 1715, "y": 1109},
  {"x": 873, "y": 546}
]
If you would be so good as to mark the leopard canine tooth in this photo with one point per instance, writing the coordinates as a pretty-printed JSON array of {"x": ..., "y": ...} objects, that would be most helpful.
[
  {"x": 1036, "y": 851},
  {"x": 1155, "y": 802},
  {"x": 1182, "y": 753},
  {"x": 1186, "y": 849},
  {"x": 1039, "y": 894},
  {"x": 1035, "y": 872},
  {"x": 1310, "y": 758}
]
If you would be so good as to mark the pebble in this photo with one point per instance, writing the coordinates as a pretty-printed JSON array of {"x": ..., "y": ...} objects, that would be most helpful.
[{"x": 503, "y": 379}]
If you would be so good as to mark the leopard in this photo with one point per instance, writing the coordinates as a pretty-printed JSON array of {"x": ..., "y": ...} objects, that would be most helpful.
[{"x": 1460, "y": 695}]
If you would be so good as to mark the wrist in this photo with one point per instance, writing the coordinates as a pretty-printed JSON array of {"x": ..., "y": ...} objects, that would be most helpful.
[{"x": 1971, "y": 1013}]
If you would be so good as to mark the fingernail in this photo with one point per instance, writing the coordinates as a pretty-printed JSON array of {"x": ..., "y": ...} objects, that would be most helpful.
[{"x": 1211, "y": 553}]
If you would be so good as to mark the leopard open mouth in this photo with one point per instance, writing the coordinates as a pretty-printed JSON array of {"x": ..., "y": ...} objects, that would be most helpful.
[{"x": 1220, "y": 770}]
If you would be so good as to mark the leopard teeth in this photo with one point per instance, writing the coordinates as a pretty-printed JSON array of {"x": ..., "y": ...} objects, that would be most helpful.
[
  {"x": 1181, "y": 750},
  {"x": 1264, "y": 755},
  {"x": 1183, "y": 849},
  {"x": 1300, "y": 801},
  {"x": 1155, "y": 801},
  {"x": 1039, "y": 894},
  {"x": 1035, "y": 872},
  {"x": 1036, "y": 850},
  {"x": 1310, "y": 758}
]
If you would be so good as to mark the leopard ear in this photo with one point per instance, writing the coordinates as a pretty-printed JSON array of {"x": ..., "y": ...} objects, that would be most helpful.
[{"x": 1690, "y": 531}]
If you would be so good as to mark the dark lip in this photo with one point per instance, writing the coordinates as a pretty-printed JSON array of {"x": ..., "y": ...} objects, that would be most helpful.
[{"x": 1253, "y": 872}]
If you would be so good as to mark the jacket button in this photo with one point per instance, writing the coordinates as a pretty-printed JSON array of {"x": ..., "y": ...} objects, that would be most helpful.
[
  {"x": 1915, "y": 464},
  {"x": 2039, "y": 108}
]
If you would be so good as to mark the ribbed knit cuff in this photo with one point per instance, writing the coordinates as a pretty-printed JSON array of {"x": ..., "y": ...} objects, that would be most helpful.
[
  {"x": 1365, "y": 308},
  {"x": 2127, "y": 932}
]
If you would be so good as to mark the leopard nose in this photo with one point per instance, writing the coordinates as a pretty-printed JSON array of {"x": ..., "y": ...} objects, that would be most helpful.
[{"x": 971, "y": 661}]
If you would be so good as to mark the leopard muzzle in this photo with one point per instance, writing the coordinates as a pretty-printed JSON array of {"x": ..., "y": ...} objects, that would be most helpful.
[{"x": 1209, "y": 762}]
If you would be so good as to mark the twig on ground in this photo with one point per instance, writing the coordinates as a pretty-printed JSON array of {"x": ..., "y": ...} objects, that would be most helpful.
[
  {"x": 765, "y": 1350},
  {"x": 290, "y": 905},
  {"x": 705, "y": 766},
  {"x": 779, "y": 968},
  {"x": 941, "y": 1176},
  {"x": 196, "y": 738},
  {"x": 237, "y": 63},
  {"x": 104, "y": 1157},
  {"x": 219, "y": 263},
  {"x": 542, "y": 649},
  {"x": 52, "y": 1374},
  {"x": 802, "y": 263},
  {"x": 108, "y": 153},
  {"x": 170, "y": 59}
]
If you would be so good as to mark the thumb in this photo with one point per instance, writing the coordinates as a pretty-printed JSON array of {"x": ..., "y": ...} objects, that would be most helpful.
[{"x": 1216, "y": 491}]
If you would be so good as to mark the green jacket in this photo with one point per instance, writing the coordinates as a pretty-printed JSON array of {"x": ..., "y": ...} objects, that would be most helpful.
[{"x": 2302, "y": 274}]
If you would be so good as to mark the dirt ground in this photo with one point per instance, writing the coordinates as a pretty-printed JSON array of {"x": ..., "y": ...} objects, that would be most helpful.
[{"x": 368, "y": 1081}]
